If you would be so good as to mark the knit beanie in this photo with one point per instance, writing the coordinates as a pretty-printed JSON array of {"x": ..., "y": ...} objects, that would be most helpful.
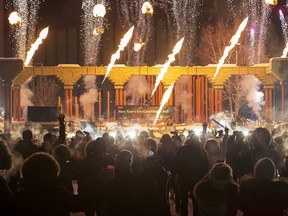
[
  {"x": 221, "y": 173},
  {"x": 265, "y": 169},
  {"x": 40, "y": 169}
]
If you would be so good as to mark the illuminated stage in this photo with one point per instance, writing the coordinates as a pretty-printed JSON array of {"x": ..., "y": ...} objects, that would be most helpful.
[{"x": 206, "y": 97}]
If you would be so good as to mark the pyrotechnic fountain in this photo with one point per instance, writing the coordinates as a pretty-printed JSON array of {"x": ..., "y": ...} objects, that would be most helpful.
[
  {"x": 26, "y": 92},
  {"x": 140, "y": 14},
  {"x": 35, "y": 45},
  {"x": 165, "y": 67},
  {"x": 92, "y": 28},
  {"x": 20, "y": 34},
  {"x": 26, "y": 24},
  {"x": 231, "y": 9},
  {"x": 123, "y": 43},
  {"x": 283, "y": 25},
  {"x": 165, "y": 99},
  {"x": 258, "y": 12},
  {"x": 234, "y": 40},
  {"x": 285, "y": 51},
  {"x": 93, "y": 25},
  {"x": 185, "y": 15},
  {"x": 251, "y": 51},
  {"x": 24, "y": 21}
]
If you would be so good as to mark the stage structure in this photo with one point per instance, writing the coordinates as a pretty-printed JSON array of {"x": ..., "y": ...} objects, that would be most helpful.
[
  {"x": 206, "y": 97},
  {"x": 9, "y": 69}
]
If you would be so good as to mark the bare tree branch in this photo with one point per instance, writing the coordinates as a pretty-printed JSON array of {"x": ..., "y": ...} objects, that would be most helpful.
[{"x": 45, "y": 89}]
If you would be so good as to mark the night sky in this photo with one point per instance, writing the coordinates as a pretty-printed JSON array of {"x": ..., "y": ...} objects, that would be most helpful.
[
  {"x": 60, "y": 14},
  {"x": 65, "y": 15}
]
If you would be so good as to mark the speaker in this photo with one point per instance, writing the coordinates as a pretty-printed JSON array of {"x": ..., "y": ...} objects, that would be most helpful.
[{"x": 42, "y": 113}]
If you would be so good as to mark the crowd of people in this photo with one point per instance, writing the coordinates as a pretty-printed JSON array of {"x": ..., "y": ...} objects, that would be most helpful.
[{"x": 223, "y": 175}]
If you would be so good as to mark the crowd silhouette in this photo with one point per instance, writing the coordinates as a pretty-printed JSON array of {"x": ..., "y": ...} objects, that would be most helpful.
[{"x": 227, "y": 174}]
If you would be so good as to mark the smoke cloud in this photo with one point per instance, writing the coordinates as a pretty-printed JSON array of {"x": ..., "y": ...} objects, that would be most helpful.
[
  {"x": 183, "y": 98},
  {"x": 88, "y": 99},
  {"x": 136, "y": 88},
  {"x": 249, "y": 86},
  {"x": 26, "y": 96}
]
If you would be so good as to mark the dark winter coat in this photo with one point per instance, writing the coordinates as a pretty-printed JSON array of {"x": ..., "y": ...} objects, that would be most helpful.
[
  {"x": 120, "y": 195},
  {"x": 216, "y": 199},
  {"x": 5, "y": 196},
  {"x": 26, "y": 148},
  {"x": 52, "y": 200},
  {"x": 191, "y": 164},
  {"x": 263, "y": 197}
]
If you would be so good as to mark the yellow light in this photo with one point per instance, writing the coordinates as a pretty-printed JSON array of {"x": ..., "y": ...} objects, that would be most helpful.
[
  {"x": 14, "y": 18},
  {"x": 271, "y": 2},
  {"x": 147, "y": 8},
  {"x": 98, "y": 31},
  {"x": 99, "y": 10}
]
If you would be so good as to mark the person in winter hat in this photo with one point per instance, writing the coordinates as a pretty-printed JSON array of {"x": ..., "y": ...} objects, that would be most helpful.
[
  {"x": 263, "y": 194},
  {"x": 217, "y": 193}
]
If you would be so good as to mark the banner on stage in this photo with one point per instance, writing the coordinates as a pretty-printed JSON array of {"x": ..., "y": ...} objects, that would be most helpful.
[{"x": 141, "y": 114}]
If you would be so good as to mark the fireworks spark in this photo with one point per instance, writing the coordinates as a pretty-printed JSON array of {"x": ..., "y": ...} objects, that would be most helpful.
[
  {"x": 285, "y": 51},
  {"x": 99, "y": 10},
  {"x": 251, "y": 47},
  {"x": 138, "y": 46},
  {"x": 93, "y": 25},
  {"x": 130, "y": 12},
  {"x": 164, "y": 100},
  {"x": 98, "y": 31},
  {"x": 283, "y": 25},
  {"x": 34, "y": 47},
  {"x": 271, "y": 2},
  {"x": 165, "y": 67},
  {"x": 234, "y": 40},
  {"x": 14, "y": 18},
  {"x": 21, "y": 30},
  {"x": 24, "y": 34},
  {"x": 183, "y": 19},
  {"x": 147, "y": 8},
  {"x": 123, "y": 43},
  {"x": 259, "y": 19},
  {"x": 34, "y": 6}
]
